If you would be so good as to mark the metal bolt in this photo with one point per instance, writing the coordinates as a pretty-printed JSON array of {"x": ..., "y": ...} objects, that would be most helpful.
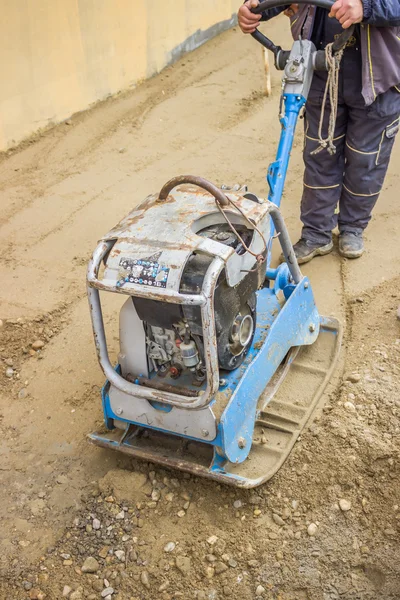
[
  {"x": 241, "y": 443},
  {"x": 119, "y": 411},
  {"x": 312, "y": 327},
  {"x": 306, "y": 284},
  {"x": 205, "y": 432}
]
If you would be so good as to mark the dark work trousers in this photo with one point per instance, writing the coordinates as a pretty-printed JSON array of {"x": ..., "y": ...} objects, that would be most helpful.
[{"x": 352, "y": 178}]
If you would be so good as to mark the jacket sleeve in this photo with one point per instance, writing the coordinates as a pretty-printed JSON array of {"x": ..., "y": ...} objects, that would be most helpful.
[
  {"x": 382, "y": 13},
  {"x": 273, "y": 12}
]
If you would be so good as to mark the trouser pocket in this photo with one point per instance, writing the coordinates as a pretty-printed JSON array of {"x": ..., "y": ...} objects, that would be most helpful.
[{"x": 387, "y": 140}]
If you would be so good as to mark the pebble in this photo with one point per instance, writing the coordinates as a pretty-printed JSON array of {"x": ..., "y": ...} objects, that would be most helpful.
[
  {"x": 256, "y": 512},
  {"x": 66, "y": 591},
  {"x": 120, "y": 515},
  {"x": 164, "y": 586},
  {"x": 181, "y": 514},
  {"x": 9, "y": 362},
  {"x": 96, "y": 524},
  {"x": 212, "y": 540},
  {"x": 144, "y": 578},
  {"x": 107, "y": 592},
  {"x": 36, "y": 595},
  {"x": 97, "y": 585},
  {"x": 9, "y": 372},
  {"x": 61, "y": 479},
  {"x": 37, "y": 345},
  {"x": 350, "y": 407},
  {"x": 295, "y": 504},
  {"x": 169, "y": 497},
  {"x": 183, "y": 564},
  {"x": 237, "y": 504},
  {"x": 220, "y": 567},
  {"x": 209, "y": 572},
  {"x": 278, "y": 520},
  {"x": 22, "y": 393},
  {"x": 232, "y": 563},
  {"x": 354, "y": 377},
  {"x": 90, "y": 565},
  {"x": 272, "y": 535},
  {"x": 390, "y": 532},
  {"x": 120, "y": 554},
  {"x": 312, "y": 529},
  {"x": 103, "y": 552},
  {"x": 260, "y": 590},
  {"x": 345, "y": 505},
  {"x": 170, "y": 547}
]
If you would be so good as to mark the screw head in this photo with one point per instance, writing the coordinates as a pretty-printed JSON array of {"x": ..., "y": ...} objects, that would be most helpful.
[
  {"x": 119, "y": 411},
  {"x": 205, "y": 432},
  {"x": 312, "y": 328},
  {"x": 241, "y": 443},
  {"x": 306, "y": 285}
]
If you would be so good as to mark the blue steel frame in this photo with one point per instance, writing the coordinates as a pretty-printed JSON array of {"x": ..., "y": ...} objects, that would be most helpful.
[{"x": 279, "y": 328}]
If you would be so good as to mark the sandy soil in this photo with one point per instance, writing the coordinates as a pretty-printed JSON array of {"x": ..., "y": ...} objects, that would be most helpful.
[{"x": 206, "y": 115}]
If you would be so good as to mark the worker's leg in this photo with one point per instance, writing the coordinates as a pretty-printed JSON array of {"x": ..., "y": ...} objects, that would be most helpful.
[
  {"x": 323, "y": 177},
  {"x": 370, "y": 136}
]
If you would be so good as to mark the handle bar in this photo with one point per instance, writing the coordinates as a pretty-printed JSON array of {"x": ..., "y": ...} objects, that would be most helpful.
[
  {"x": 338, "y": 44},
  {"x": 266, "y": 4}
]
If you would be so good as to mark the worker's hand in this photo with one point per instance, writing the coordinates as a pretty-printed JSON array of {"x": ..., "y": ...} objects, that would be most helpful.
[
  {"x": 292, "y": 10},
  {"x": 347, "y": 12},
  {"x": 247, "y": 20}
]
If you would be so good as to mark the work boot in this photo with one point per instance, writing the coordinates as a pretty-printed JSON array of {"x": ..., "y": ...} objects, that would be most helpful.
[
  {"x": 306, "y": 250},
  {"x": 351, "y": 245}
]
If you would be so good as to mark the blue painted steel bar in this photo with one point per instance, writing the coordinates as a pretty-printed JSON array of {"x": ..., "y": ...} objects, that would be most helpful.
[
  {"x": 297, "y": 324},
  {"x": 277, "y": 170}
]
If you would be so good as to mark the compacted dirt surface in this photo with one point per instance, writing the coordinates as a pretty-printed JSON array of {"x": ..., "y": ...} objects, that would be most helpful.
[{"x": 82, "y": 523}]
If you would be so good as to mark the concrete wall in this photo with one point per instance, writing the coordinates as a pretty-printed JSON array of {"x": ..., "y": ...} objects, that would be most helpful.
[{"x": 60, "y": 56}]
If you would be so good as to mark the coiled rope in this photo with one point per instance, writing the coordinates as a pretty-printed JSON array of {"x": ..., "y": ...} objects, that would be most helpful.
[{"x": 333, "y": 61}]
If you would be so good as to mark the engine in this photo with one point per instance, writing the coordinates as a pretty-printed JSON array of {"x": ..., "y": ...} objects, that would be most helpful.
[{"x": 174, "y": 333}]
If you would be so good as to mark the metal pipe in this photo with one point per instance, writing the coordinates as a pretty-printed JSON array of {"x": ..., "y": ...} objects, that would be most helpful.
[
  {"x": 286, "y": 244},
  {"x": 207, "y": 312},
  {"x": 194, "y": 180},
  {"x": 267, "y": 4},
  {"x": 209, "y": 328}
]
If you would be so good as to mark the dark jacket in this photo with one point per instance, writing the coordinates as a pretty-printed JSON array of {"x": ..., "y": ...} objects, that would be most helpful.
[{"x": 380, "y": 42}]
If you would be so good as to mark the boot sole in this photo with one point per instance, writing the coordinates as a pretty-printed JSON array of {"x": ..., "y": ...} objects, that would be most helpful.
[{"x": 351, "y": 253}]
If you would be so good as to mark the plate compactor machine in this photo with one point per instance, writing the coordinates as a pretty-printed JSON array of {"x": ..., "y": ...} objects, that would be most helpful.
[{"x": 223, "y": 359}]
